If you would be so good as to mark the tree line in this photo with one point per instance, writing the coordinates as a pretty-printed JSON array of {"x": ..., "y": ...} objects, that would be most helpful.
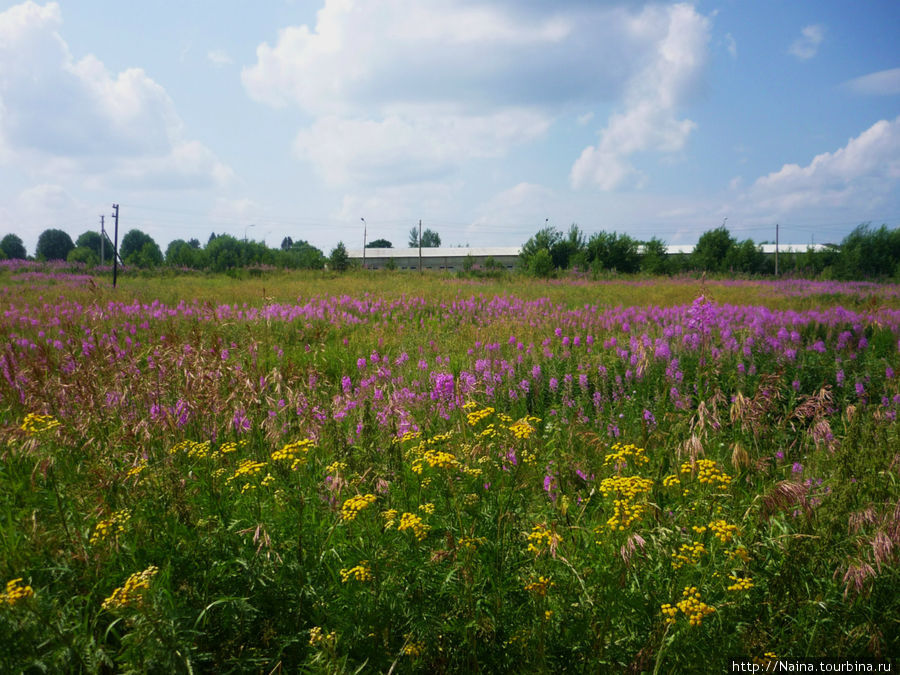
[{"x": 866, "y": 253}]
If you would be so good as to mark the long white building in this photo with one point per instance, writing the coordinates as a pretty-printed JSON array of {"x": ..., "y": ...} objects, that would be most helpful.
[{"x": 507, "y": 257}]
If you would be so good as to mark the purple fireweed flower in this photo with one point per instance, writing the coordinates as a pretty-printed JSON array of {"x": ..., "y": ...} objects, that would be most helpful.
[
  {"x": 839, "y": 377},
  {"x": 346, "y": 384},
  {"x": 796, "y": 385},
  {"x": 240, "y": 421},
  {"x": 860, "y": 389},
  {"x": 780, "y": 454},
  {"x": 888, "y": 373},
  {"x": 525, "y": 386},
  {"x": 797, "y": 468},
  {"x": 536, "y": 372},
  {"x": 361, "y": 363},
  {"x": 649, "y": 418},
  {"x": 554, "y": 384}
]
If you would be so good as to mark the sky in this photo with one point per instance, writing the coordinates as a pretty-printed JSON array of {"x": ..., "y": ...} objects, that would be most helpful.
[{"x": 486, "y": 119}]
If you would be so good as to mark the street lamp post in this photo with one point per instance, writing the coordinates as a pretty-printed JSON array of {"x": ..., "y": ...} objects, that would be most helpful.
[{"x": 364, "y": 242}]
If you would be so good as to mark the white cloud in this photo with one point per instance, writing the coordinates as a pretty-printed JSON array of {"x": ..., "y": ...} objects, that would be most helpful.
[
  {"x": 807, "y": 45},
  {"x": 410, "y": 144},
  {"x": 861, "y": 175},
  {"x": 679, "y": 37},
  {"x": 403, "y": 88},
  {"x": 67, "y": 118},
  {"x": 219, "y": 58},
  {"x": 882, "y": 83}
]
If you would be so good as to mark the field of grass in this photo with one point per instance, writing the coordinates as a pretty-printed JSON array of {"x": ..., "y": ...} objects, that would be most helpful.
[{"x": 388, "y": 472}]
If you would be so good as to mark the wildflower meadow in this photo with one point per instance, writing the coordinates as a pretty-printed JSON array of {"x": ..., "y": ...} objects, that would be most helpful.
[{"x": 388, "y": 472}]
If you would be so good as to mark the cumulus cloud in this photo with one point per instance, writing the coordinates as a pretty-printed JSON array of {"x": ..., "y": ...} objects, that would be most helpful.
[
  {"x": 410, "y": 145},
  {"x": 882, "y": 83},
  {"x": 405, "y": 88},
  {"x": 678, "y": 36},
  {"x": 862, "y": 174},
  {"x": 807, "y": 45},
  {"x": 61, "y": 116}
]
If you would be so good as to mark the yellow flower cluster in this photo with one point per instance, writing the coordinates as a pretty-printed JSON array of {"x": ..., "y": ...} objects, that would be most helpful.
[
  {"x": 15, "y": 592},
  {"x": 740, "y": 583},
  {"x": 489, "y": 431},
  {"x": 247, "y": 467},
  {"x": 36, "y": 424},
  {"x": 723, "y": 530},
  {"x": 427, "y": 508},
  {"x": 132, "y": 593},
  {"x": 114, "y": 525},
  {"x": 336, "y": 468},
  {"x": 688, "y": 554},
  {"x": 476, "y": 416},
  {"x": 691, "y": 606},
  {"x": 359, "y": 572},
  {"x": 627, "y": 487},
  {"x": 412, "y": 522},
  {"x": 192, "y": 449},
  {"x": 408, "y": 436},
  {"x": 669, "y": 481},
  {"x": 707, "y": 472},
  {"x": 540, "y": 538},
  {"x": 294, "y": 452},
  {"x": 624, "y": 514},
  {"x": 389, "y": 516},
  {"x": 413, "y": 648},
  {"x": 354, "y": 505},
  {"x": 621, "y": 453},
  {"x": 136, "y": 470},
  {"x": 471, "y": 543},
  {"x": 739, "y": 552},
  {"x": 540, "y": 586},
  {"x": 232, "y": 446},
  {"x": 523, "y": 429},
  {"x": 318, "y": 637}
]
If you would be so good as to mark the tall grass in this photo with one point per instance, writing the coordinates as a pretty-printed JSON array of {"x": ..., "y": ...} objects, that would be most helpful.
[{"x": 389, "y": 472}]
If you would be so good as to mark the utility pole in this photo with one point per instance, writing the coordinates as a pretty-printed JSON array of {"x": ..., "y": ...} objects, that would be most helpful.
[
  {"x": 116, "y": 244},
  {"x": 102, "y": 237},
  {"x": 420, "y": 245},
  {"x": 776, "y": 249},
  {"x": 364, "y": 242}
]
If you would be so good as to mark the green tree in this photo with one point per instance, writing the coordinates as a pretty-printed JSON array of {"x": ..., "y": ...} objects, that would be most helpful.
[
  {"x": 613, "y": 251},
  {"x": 83, "y": 254},
  {"x": 712, "y": 250},
  {"x": 655, "y": 257},
  {"x": 543, "y": 240},
  {"x": 541, "y": 264},
  {"x": 133, "y": 243},
  {"x": 382, "y": 243},
  {"x": 180, "y": 253},
  {"x": 12, "y": 247},
  {"x": 430, "y": 238},
  {"x": 339, "y": 259},
  {"x": 745, "y": 257},
  {"x": 54, "y": 245},
  {"x": 91, "y": 240},
  {"x": 286, "y": 244}
]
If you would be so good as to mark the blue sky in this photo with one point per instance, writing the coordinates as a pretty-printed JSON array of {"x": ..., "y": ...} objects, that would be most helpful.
[{"x": 482, "y": 118}]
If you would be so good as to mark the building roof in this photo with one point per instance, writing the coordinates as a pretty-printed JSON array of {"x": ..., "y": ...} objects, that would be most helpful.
[{"x": 444, "y": 252}]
